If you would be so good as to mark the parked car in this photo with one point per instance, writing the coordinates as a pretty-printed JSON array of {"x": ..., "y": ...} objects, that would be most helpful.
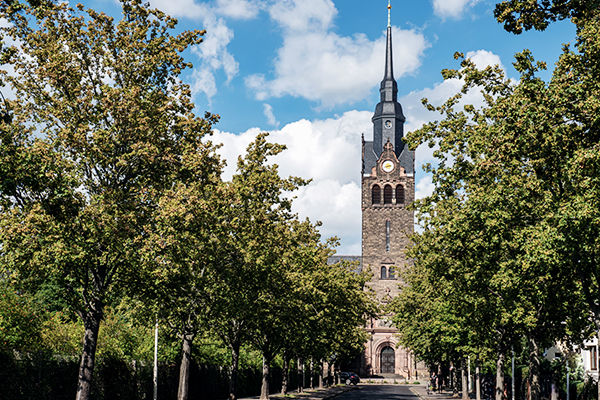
[{"x": 349, "y": 378}]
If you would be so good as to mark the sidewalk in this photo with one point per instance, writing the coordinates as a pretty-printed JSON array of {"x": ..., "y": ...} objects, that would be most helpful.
[
  {"x": 311, "y": 394},
  {"x": 421, "y": 391}
]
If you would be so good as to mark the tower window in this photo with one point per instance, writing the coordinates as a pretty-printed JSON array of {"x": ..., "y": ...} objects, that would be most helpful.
[
  {"x": 383, "y": 273},
  {"x": 376, "y": 195},
  {"x": 387, "y": 235},
  {"x": 391, "y": 272},
  {"x": 399, "y": 194},
  {"x": 387, "y": 194}
]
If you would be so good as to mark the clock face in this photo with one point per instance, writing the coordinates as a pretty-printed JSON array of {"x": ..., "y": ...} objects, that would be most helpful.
[
  {"x": 387, "y": 166},
  {"x": 388, "y": 124}
]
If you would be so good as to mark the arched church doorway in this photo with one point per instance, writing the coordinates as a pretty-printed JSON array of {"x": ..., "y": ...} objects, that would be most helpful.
[{"x": 388, "y": 360}]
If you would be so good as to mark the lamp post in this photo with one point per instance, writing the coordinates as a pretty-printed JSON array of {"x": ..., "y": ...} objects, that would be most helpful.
[
  {"x": 155, "y": 372},
  {"x": 512, "y": 387},
  {"x": 568, "y": 378}
]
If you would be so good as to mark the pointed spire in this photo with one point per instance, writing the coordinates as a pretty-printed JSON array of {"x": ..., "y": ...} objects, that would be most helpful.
[
  {"x": 389, "y": 13},
  {"x": 389, "y": 82},
  {"x": 388, "y": 119}
]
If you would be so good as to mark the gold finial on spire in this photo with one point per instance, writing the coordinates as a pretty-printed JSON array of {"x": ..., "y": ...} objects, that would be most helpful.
[{"x": 389, "y": 13}]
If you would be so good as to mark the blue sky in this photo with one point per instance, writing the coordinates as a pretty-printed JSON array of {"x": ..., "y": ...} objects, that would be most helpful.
[{"x": 308, "y": 71}]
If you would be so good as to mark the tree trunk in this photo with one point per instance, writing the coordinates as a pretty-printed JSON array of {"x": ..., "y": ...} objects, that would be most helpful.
[
  {"x": 312, "y": 373},
  {"x": 321, "y": 373},
  {"x": 184, "y": 369},
  {"x": 477, "y": 380},
  {"x": 534, "y": 369},
  {"x": 553, "y": 390},
  {"x": 500, "y": 375},
  {"x": 91, "y": 323},
  {"x": 285, "y": 373},
  {"x": 300, "y": 375},
  {"x": 235, "y": 363},
  {"x": 453, "y": 380},
  {"x": 266, "y": 377},
  {"x": 465, "y": 379}
]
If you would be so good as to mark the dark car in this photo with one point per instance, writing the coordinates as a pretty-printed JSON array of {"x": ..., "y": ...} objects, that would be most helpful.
[{"x": 349, "y": 378}]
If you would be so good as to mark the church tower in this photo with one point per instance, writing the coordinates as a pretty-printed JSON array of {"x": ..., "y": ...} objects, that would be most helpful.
[{"x": 388, "y": 186}]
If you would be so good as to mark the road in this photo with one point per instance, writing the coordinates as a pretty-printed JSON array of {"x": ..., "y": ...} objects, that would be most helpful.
[{"x": 379, "y": 392}]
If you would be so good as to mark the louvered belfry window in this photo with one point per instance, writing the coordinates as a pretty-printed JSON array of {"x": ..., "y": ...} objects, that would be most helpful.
[
  {"x": 387, "y": 195},
  {"x": 376, "y": 195},
  {"x": 399, "y": 194}
]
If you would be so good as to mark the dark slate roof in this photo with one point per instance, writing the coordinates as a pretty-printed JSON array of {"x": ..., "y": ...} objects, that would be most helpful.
[
  {"x": 337, "y": 259},
  {"x": 407, "y": 161},
  {"x": 370, "y": 160}
]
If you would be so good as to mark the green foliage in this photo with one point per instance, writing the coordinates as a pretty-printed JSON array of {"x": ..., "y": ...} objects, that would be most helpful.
[
  {"x": 112, "y": 208},
  {"x": 102, "y": 128},
  {"x": 62, "y": 334},
  {"x": 511, "y": 229},
  {"x": 517, "y": 15},
  {"x": 21, "y": 321}
]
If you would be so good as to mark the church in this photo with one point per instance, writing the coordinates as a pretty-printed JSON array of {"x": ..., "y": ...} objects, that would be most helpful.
[{"x": 388, "y": 187}]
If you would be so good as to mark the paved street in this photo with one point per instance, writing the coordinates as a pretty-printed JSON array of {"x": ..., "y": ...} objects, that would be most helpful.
[
  {"x": 379, "y": 392},
  {"x": 367, "y": 392}
]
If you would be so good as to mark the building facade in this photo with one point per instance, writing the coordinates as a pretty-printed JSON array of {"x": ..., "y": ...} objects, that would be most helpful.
[{"x": 388, "y": 187}]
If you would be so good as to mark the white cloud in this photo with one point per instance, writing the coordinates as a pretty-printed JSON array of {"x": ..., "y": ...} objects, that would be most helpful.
[
  {"x": 7, "y": 90},
  {"x": 337, "y": 206},
  {"x": 417, "y": 114},
  {"x": 238, "y": 9},
  {"x": 303, "y": 15},
  {"x": 483, "y": 58},
  {"x": 451, "y": 8},
  {"x": 320, "y": 65},
  {"x": 271, "y": 120},
  {"x": 424, "y": 187},
  {"x": 212, "y": 53},
  {"x": 203, "y": 81},
  {"x": 329, "y": 152},
  {"x": 213, "y": 50},
  {"x": 332, "y": 69}
]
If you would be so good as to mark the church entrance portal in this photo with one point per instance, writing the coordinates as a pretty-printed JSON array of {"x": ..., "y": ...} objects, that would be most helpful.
[{"x": 388, "y": 360}]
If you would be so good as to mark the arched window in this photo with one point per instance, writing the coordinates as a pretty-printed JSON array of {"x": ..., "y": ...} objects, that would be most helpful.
[
  {"x": 383, "y": 273},
  {"x": 387, "y": 235},
  {"x": 387, "y": 194},
  {"x": 399, "y": 194},
  {"x": 376, "y": 195},
  {"x": 391, "y": 272}
]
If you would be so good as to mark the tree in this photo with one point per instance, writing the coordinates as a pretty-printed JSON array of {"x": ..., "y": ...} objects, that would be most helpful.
[
  {"x": 517, "y": 15},
  {"x": 181, "y": 262},
  {"x": 116, "y": 128},
  {"x": 513, "y": 168}
]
